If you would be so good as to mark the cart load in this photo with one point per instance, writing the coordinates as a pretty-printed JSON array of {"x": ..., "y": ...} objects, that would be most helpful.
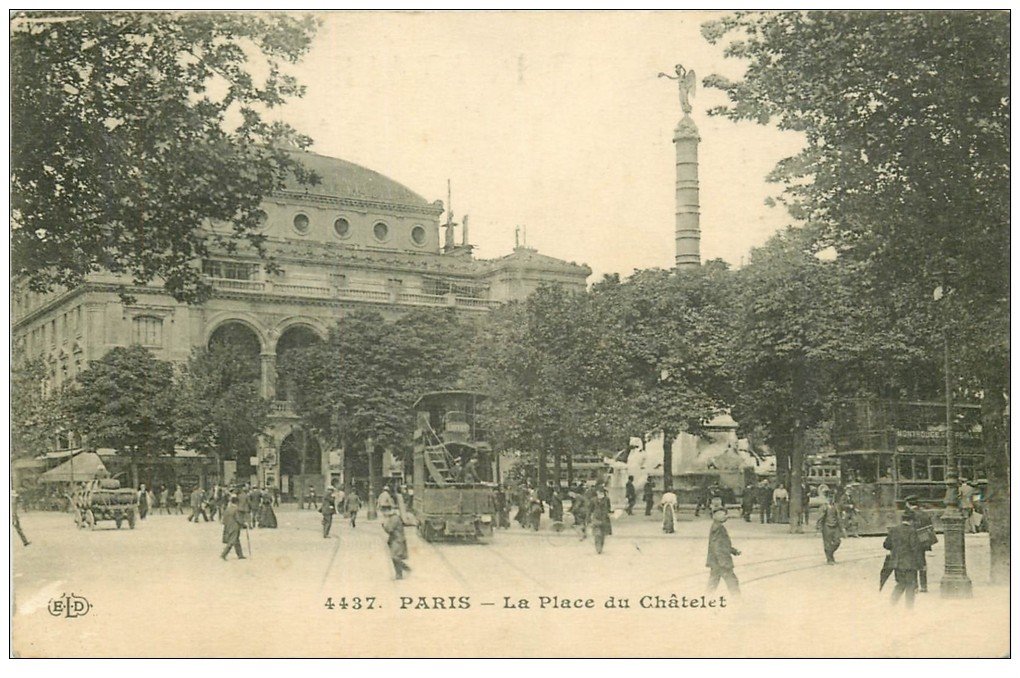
[{"x": 105, "y": 499}]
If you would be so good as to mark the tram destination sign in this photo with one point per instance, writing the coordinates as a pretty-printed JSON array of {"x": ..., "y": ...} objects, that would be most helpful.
[{"x": 938, "y": 437}]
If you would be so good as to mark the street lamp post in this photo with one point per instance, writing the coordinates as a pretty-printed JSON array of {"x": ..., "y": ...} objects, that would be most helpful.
[{"x": 955, "y": 582}]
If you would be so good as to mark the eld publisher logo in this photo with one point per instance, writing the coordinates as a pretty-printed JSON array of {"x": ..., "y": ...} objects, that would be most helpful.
[{"x": 69, "y": 606}]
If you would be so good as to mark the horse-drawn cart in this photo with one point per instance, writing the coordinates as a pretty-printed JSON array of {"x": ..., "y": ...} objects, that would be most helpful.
[{"x": 104, "y": 499}]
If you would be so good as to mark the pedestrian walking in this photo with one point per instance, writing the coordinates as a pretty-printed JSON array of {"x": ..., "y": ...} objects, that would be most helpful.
[
  {"x": 352, "y": 506},
  {"x": 669, "y": 508},
  {"x": 579, "y": 509},
  {"x": 556, "y": 508},
  {"x": 764, "y": 502},
  {"x": 649, "y": 496},
  {"x": 535, "y": 510},
  {"x": 164, "y": 499},
  {"x": 747, "y": 503},
  {"x": 143, "y": 502},
  {"x": 830, "y": 523},
  {"x": 396, "y": 541},
  {"x": 312, "y": 502},
  {"x": 600, "y": 518},
  {"x": 720, "y": 554},
  {"x": 197, "y": 505},
  {"x": 232, "y": 526},
  {"x": 244, "y": 505},
  {"x": 926, "y": 538},
  {"x": 499, "y": 505},
  {"x": 903, "y": 546},
  {"x": 16, "y": 519},
  {"x": 781, "y": 501},
  {"x": 179, "y": 500},
  {"x": 327, "y": 510},
  {"x": 385, "y": 498},
  {"x": 631, "y": 493},
  {"x": 267, "y": 516}
]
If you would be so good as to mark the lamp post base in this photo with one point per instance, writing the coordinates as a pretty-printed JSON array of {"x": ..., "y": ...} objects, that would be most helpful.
[{"x": 955, "y": 582}]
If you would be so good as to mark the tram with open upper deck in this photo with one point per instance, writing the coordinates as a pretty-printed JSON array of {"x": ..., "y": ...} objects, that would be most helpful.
[
  {"x": 889, "y": 450},
  {"x": 454, "y": 468}
]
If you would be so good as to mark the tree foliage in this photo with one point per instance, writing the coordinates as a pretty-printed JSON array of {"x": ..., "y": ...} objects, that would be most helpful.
[
  {"x": 35, "y": 411},
  {"x": 219, "y": 407},
  {"x": 126, "y": 401},
  {"x": 134, "y": 130},
  {"x": 362, "y": 382}
]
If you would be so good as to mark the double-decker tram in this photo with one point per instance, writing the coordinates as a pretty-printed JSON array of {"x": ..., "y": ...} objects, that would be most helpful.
[
  {"x": 454, "y": 468},
  {"x": 890, "y": 450}
]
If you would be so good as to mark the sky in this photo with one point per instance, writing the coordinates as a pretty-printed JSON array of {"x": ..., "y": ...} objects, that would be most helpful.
[{"x": 556, "y": 122}]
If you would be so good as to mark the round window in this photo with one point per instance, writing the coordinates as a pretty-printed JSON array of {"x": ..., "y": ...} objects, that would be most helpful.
[
  {"x": 301, "y": 223},
  {"x": 381, "y": 230},
  {"x": 418, "y": 235},
  {"x": 342, "y": 227}
]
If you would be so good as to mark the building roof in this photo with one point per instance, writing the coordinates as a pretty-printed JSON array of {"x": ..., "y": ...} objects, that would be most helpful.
[
  {"x": 342, "y": 179},
  {"x": 526, "y": 257}
]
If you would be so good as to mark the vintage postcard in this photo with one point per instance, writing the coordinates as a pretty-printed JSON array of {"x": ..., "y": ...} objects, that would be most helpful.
[{"x": 509, "y": 334}]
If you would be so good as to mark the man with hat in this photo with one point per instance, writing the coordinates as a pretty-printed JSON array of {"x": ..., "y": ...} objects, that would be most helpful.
[
  {"x": 926, "y": 538},
  {"x": 232, "y": 526},
  {"x": 903, "y": 546},
  {"x": 831, "y": 525},
  {"x": 396, "y": 541},
  {"x": 599, "y": 518},
  {"x": 720, "y": 554},
  {"x": 327, "y": 509}
]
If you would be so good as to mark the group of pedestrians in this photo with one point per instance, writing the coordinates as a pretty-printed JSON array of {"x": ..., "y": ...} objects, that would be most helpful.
[{"x": 338, "y": 502}]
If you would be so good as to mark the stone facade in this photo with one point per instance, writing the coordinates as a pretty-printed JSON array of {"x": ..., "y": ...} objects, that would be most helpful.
[{"x": 357, "y": 240}]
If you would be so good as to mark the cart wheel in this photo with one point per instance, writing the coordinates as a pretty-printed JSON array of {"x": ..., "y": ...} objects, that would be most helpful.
[
  {"x": 131, "y": 520},
  {"x": 90, "y": 519}
]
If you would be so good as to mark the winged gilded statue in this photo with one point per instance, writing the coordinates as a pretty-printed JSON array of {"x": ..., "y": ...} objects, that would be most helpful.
[{"x": 686, "y": 81}]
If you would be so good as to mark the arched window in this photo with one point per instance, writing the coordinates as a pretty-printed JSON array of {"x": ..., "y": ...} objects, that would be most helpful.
[{"x": 147, "y": 331}]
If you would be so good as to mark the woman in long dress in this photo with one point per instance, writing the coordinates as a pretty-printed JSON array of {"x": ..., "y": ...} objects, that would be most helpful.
[
  {"x": 267, "y": 517},
  {"x": 668, "y": 511}
]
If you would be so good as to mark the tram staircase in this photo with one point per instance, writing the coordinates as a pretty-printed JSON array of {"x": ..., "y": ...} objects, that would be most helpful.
[{"x": 438, "y": 459}]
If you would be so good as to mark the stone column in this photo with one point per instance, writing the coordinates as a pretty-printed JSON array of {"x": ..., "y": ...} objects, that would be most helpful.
[
  {"x": 688, "y": 211},
  {"x": 268, "y": 382}
]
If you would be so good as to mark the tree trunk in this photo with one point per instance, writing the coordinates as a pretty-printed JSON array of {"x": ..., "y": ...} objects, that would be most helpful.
[
  {"x": 134, "y": 472},
  {"x": 796, "y": 478},
  {"x": 301, "y": 468},
  {"x": 543, "y": 472},
  {"x": 557, "y": 471},
  {"x": 570, "y": 468},
  {"x": 997, "y": 502},
  {"x": 667, "y": 460},
  {"x": 374, "y": 478}
]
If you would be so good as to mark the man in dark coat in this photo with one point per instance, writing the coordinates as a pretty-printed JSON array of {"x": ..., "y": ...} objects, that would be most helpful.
[
  {"x": 197, "y": 505},
  {"x": 352, "y": 504},
  {"x": 499, "y": 504},
  {"x": 903, "y": 545},
  {"x": 926, "y": 538},
  {"x": 764, "y": 502},
  {"x": 831, "y": 525},
  {"x": 631, "y": 493},
  {"x": 396, "y": 541},
  {"x": 327, "y": 509},
  {"x": 232, "y": 526},
  {"x": 243, "y": 505},
  {"x": 720, "y": 554},
  {"x": 579, "y": 508},
  {"x": 747, "y": 502},
  {"x": 649, "y": 496},
  {"x": 599, "y": 517}
]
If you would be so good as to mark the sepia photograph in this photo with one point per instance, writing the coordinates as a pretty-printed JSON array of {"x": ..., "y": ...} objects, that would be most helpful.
[{"x": 509, "y": 334}]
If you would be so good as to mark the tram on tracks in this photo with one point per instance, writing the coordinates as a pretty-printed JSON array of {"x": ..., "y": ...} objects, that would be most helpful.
[
  {"x": 890, "y": 450},
  {"x": 454, "y": 468}
]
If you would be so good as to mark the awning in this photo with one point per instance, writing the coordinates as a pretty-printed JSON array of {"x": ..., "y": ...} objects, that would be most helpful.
[{"x": 81, "y": 467}]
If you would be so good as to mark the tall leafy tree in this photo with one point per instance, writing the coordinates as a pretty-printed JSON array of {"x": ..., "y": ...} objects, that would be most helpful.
[
  {"x": 905, "y": 169},
  {"x": 126, "y": 400},
  {"x": 675, "y": 327},
  {"x": 35, "y": 411},
  {"x": 133, "y": 130},
  {"x": 219, "y": 408}
]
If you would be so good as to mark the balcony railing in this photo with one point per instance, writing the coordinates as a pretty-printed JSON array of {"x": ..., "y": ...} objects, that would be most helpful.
[{"x": 322, "y": 291}]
